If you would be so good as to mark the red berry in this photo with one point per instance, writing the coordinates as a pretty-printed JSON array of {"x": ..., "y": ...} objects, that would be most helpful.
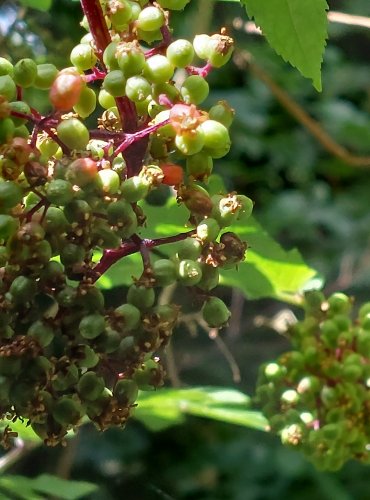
[
  {"x": 66, "y": 89},
  {"x": 173, "y": 174}
]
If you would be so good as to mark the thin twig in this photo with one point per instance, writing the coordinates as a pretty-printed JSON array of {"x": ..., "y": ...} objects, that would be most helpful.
[
  {"x": 213, "y": 335},
  {"x": 244, "y": 59},
  {"x": 20, "y": 450}
]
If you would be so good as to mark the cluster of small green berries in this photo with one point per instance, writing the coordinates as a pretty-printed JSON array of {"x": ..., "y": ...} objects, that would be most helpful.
[
  {"x": 72, "y": 204},
  {"x": 317, "y": 396}
]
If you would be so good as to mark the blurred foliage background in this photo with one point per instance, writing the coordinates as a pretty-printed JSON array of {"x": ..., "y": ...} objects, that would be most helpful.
[{"x": 305, "y": 196}]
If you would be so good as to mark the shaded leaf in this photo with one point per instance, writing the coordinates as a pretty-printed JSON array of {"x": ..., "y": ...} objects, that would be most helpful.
[
  {"x": 37, "y": 4},
  {"x": 167, "y": 407}
]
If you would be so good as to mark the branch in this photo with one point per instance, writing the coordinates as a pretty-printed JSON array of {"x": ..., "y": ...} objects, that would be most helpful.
[
  {"x": 110, "y": 257},
  {"x": 244, "y": 60}
]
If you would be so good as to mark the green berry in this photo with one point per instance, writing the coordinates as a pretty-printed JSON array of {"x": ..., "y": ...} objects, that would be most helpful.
[
  {"x": 22, "y": 289},
  {"x": 20, "y": 107},
  {"x": 25, "y": 72},
  {"x": 8, "y": 226},
  {"x": 73, "y": 133},
  {"x": 140, "y": 296},
  {"x": 135, "y": 188},
  {"x": 8, "y": 88},
  {"x": 10, "y": 195},
  {"x": 180, "y": 53},
  {"x": 130, "y": 58},
  {"x": 59, "y": 192},
  {"x": 137, "y": 88},
  {"x": 216, "y": 138},
  {"x": 194, "y": 90},
  {"x": 83, "y": 57},
  {"x": 109, "y": 56},
  {"x": 86, "y": 103},
  {"x": 41, "y": 332},
  {"x": 223, "y": 113},
  {"x": 7, "y": 129},
  {"x": 210, "y": 277},
  {"x": 190, "y": 142},
  {"x": 158, "y": 69},
  {"x": 108, "y": 181},
  {"x": 90, "y": 386},
  {"x": 46, "y": 74},
  {"x": 173, "y": 4},
  {"x": 126, "y": 392},
  {"x": 189, "y": 272},
  {"x": 190, "y": 248},
  {"x": 92, "y": 326},
  {"x": 215, "y": 312},
  {"x": 106, "y": 100},
  {"x": 164, "y": 272},
  {"x": 208, "y": 230},
  {"x": 67, "y": 411},
  {"x": 6, "y": 67},
  {"x": 128, "y": 316},
  {"x": 150, "y": 19},
  {"x": 115, "y": 82}
]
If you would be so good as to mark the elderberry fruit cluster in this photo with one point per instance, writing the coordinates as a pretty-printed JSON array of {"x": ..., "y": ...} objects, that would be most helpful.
[
  {"x": 317, "y": 396},
  {"x": 72, "y": 205}
]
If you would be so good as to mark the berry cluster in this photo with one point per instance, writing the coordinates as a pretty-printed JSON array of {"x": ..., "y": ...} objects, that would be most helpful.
[
  {"x": 71, "y": 206},
  {"x": 317, "y": 397}
]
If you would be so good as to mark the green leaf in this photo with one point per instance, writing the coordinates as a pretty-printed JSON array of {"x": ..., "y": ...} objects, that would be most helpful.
[
  {"x": 167, "y": 407},
  {"x": 61, "y": 488},
  {"x": 296, "y": 30},
  {"x": 24, "y": 431},
  {"x": 37, "y": 4}
]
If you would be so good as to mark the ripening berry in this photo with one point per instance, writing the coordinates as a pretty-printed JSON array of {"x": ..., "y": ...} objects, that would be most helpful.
[
  {"x": 83, "y": 57},
  {"x": 81, "y": 171},
  {"x": 215, "y": 312},
  {"x": 25, "y": 72},
  {"x": 65, "y": 90},
  {"x": 173, "y": 175},
  {"x": 73, "y": 133}
]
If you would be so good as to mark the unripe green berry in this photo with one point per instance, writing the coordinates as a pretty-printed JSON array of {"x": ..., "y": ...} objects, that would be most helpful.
[
  {"x": 216, "y": 138},
  {"x": 134, "y": 189},
  {"x": 173, "y": 4},
  {"x": 7, "y": 129},
  {"x": 8, "y": 88},
  {"x": 73, "y": 133},
  {"x": 83, "y": 57},
  {"x": 67, "y": 411},
  {"x": 223, "y": 113},
  {"x": 109, "y": 56},
  {"x": 180, "y": 53},
  {"x": 215, "y": 312},
  {"x": 90, "y": 386},
  {"x": 59, "y": 192},
  {"x": 164, "y": 272},
  {"x": 92, "y": 326},
  {"x": 20, "y": 107},
  {"x": 115, "y": 82},
  {"x": 25, "y": 72},
  {"x": 22, "y": 289},
  {"x": 158, "y": 69},
  {"x": 41, "y": 332},
  {"x": 126, "y": 392},
  {"x": 108, "y": 181},
  {"x": 128, "y": 316},
  {"x": 137, "y": 88},
  {"x": 210, "y": 277},
  {"x": 189, "y": 272},
  {"x": 86, "y": 103},
  {"x": 140, "y": 296},
  {"x": 6, "y": 67},
  {"x": 46, "y": 74},
  {"x": 208, "y": 230},
  {"x": 150, "y": 19},
  {"x": 190, "y": 248},
  {"x": 194, "y": 90},
  {"x": 8, "y": 226}
]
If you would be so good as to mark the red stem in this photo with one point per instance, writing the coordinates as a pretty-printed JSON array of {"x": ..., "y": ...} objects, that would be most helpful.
[
  {"x": 98, "y": 27},
  {"x": 110, "y": 257}
]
